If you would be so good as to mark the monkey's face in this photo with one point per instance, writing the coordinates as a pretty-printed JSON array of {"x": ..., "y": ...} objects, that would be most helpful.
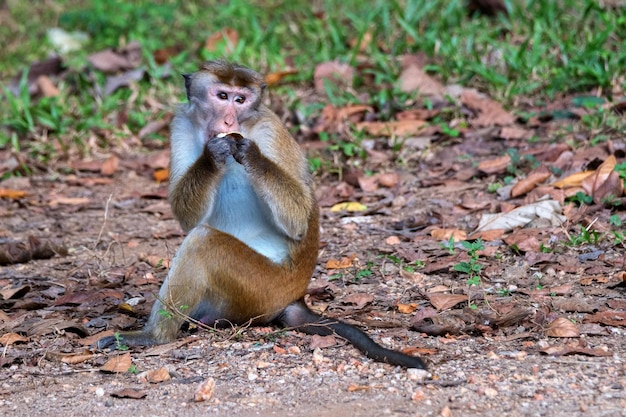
[{"x": 231, "y": 105}]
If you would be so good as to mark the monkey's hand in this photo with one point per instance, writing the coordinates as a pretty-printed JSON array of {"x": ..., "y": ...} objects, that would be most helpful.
[
  {"x": 220, "y": 148},
  {"x": 246, "y": 151}
]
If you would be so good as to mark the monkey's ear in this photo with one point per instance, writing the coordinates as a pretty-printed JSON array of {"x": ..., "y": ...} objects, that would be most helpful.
[
  {"x": 187, "y": 78},
  {"x": 263, "y": 86}
]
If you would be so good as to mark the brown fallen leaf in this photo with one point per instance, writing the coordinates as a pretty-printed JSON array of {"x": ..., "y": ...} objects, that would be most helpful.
[
  {"x": 414, "y": 79},
  {"x": 359, "y": 299},
  {"x": 109, "y": 166},
  {"x": 117, "y": 364},
  {"x": 8, "y": 339},
  {"x": 392, "y": 128},
  {"x": 273, "y": 78},
  {"x": 129, "y": 393},
  {"x": 609, "y": 318},
  {"x": 446, "y": 301},
  {"x": 47, "y": 87},
  {"x": 490, "y": 112},
  {"x": 574, "y": 180},
  {"x": 154, "y": 376},
  {"x": 407, "y": 308},
  {"x": 322, "y": 341},
  {"x": 227, "y": 38},
  {"x": 445, "y": 234},
  {"x": 343, "y": 263},
  {"x": 69, "y": 358},
  {"x": 575, "y": 348},
  {"x": 604, "y": 182},
  {"x": 495, "y": 166},
  {"x": 525, "y": 185},
  {"x": 562, "y": 327},
  {"x": 161, "y": 175},
  {"x": 12, "y": 194},
  {"x": 205, "y": 390},
  {"x": 356, "y": 388},
  {"x": 334, "y": 73}
]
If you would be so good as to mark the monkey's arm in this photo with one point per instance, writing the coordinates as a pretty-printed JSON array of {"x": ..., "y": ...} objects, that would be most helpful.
[
  {"x": 288, "y": 197},
  {"x": 193, "y": 184}
]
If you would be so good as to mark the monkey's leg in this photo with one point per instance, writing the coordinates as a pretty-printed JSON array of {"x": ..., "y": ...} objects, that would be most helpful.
[
  {"x": 299, "y": 316},
  {"x": 182, "y": 293}
]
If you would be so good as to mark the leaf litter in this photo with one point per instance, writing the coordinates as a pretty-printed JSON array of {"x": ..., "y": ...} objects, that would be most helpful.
[{"x": 390, "y": 241}]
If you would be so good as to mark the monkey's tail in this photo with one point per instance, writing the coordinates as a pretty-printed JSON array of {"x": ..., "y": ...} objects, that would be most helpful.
[{"x": 298, "y": 315}]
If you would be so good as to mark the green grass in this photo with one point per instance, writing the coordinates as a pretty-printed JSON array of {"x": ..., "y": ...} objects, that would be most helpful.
[{"x": 542, "y": 50}]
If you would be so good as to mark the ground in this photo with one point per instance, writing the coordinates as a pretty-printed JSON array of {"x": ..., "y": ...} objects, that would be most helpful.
[{"x": 115, "y": 234}]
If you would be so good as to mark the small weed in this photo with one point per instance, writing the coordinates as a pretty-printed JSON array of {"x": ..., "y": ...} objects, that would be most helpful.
[
  {"x": 449, "y": 245},
  {"x": 472, "y": 267},
  {"x": 586, "y": 236},
  {"x": 545, "y": 249},
  {"x": 581, "y": 198},
  {"x": 133, "y": 369},
  {"x": 166, "y": 314},
  {"x": 119, "y": 345}
]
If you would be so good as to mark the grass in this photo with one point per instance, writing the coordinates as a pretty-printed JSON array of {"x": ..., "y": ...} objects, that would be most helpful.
[{"x": 542, "y": 50}]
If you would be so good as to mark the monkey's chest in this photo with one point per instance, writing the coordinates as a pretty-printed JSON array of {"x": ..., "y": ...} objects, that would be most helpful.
[{"x": 241, "y": 212}]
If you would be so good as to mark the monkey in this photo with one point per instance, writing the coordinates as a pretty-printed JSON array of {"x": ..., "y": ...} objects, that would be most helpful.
[{"x": 241, "y": 189}]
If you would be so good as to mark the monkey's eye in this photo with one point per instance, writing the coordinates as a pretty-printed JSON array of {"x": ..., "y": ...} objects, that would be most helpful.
[
  {"x": 240, "y": 99},
  {"x": 222, "y": 96}
]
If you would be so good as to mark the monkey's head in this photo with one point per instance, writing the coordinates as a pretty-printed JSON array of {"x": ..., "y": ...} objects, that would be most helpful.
[{"x": 226, "y": 95}]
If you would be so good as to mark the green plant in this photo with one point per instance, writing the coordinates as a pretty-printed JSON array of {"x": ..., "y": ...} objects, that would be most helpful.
[
  {"x": 119, "y": 345},
  {"x": 581, "y": 198},
  {"x": 472, "y": 267},
  {"x": 585, "y": 236},
  {"x": 449, "y": 245}
]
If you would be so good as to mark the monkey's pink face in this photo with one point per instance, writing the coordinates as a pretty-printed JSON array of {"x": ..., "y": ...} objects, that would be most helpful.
[{"x": 231, "y": 105}]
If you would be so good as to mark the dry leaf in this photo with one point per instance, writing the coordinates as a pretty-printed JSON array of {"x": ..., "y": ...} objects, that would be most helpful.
[
  {"x": 393, "y": 240},
  {"x": 12, "y": 194},
  {"x": 69, "y": 358},
  {"x": 562, "y": 327},
  {"x": 359, "y": 299},
  {"x": 604, "y": 181},
  {"x": 609, "y": 318},
  {"x": 574, "y": 180},
  {"x": 345, "y": 262},
  {"x": 495, "y": 166},
  {"x": 47, "y": 87},
  {"x": 321, "y": 342},
  {"x": 117, "y": 364},
  {"x": 389, "y": 179},
  {"x": 109, "y": 166},
  {"x": 392, "y": 128},
  {"x": 154, "y": 376},
  {"x": 161, "y": 175},
  {"x": 129, "y": 393},
  {"x": 445, "y": 234},
  {"x": 351, "y": 206},
  {"x": 8, "y": 339},
  {"x": 446, "y": 301},
  {"x": 525, "y": 185},
  {"x": 407, "y": 308},
  {"x": 333, "y": 73},
  {"x": 414, "y": 79},
  {"x": 274, "y": 78},
  {"x": 227, "y": 37},
  {"x": 205, "y": 390},
  {"x": 521, "y": 216},
  {"x": 356, "y": 387},
  {"x": 490, "y": 112}
]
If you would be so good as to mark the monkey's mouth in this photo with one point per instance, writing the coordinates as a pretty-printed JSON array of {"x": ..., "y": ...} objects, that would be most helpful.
[{"x": 234, "y": 135}]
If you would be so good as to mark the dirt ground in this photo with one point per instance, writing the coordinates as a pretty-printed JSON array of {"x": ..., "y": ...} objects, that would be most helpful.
[{"x": 112, "y": 229}]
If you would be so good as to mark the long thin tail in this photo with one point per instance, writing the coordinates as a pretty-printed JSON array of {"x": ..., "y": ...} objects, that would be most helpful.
[{"x": 298, "y": 315}]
